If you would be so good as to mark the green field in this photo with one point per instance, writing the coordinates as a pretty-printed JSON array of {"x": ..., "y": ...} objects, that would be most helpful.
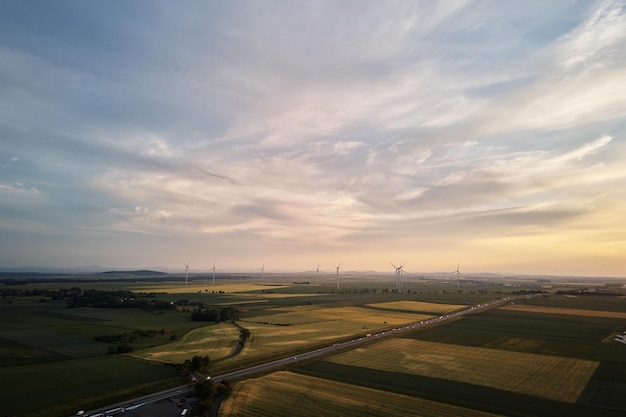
[{"x": 62, "y": 387}]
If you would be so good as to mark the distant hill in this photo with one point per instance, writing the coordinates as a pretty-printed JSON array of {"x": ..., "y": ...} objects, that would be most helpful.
[
  {"x": 139, "y": 272},
  {"x": 20, "y": 278}
]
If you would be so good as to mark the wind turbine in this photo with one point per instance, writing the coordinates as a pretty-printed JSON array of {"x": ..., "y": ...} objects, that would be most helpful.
[
  {"x": 338, "y": 274},
  {"x": 213, "y": 269},
  {"x": 396, "y": 273},
  {"x": 399, "y": 271},
  {"x": 317, "y": 275},
  {"x": 262, "y": 270},
  {"x": 186, "y": 272},
  {"x": 458, "y": 275}
]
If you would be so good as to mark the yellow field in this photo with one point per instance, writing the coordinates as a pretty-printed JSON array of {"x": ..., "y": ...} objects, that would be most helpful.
[
  {"x": 288, "y": 394},
  {"x": 293, "y": 328},
  {"x": 552, "y": 377},
  {"x": 242, "y": 302},
  {"x": 267, "y": 339},
  {"x": 374, "y": 318},
  {"x": 276, "y": 295},
  {"x": 217, "y": 341},
  {"x": 565, "y": 311},
  {"x": 366, "y": 318},
  {"x": 418, "y": 306}
]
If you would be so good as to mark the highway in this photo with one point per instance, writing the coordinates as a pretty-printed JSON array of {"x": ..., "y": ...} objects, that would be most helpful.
[{"x": 185, "y": 389}]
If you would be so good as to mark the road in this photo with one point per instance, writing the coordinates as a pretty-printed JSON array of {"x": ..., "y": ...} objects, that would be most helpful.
[{"x": 185, "y": 389}]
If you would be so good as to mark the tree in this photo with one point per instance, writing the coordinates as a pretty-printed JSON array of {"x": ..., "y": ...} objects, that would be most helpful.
[
  {"x": 229, "y": 313},
  {"x": 205, "y": 391},
  {"x": 199, "y": 362}
]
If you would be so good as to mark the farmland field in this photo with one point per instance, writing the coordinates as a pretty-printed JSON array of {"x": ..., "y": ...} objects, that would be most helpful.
[
  {"x": 523, "y": 361},
  {"x": 288, "y": 394},
  {"x": 216, "y": 342},
  {"x": 44, "y": 337},
  {"x": 590, "y": 303},
  {"x": 40, "y": 336},
  {"x": 523, "y": 373},
  {"x": 40, "y": 389},
  {"x": 566, "y": 311},
  {"x": 363, "y": 316},
  {"x": 418, "y": 306},
  {"x": 71, "y": 331},
  {"x": 551, "y": 334},
  {"x": 204, "y": 287}
]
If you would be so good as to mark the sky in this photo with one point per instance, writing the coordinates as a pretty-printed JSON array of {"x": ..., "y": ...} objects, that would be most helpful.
[{"x": 292, "y": 134}]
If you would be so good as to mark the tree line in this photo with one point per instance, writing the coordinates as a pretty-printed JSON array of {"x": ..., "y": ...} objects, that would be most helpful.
[{"x": 229, "y": 313}]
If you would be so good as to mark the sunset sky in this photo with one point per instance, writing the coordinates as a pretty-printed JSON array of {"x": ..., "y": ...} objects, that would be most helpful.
[{"x": 148, "y": 134}]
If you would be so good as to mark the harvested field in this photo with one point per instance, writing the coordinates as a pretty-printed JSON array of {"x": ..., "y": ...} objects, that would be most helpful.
[
  {"x": 268, "y": 339},
  {"x": 418, "y": 306},
  {"x": 364, "y": 316},
  {"x": 564, "y": 311},
  {"x": 287, "y": 394},
  {"x": 274, "y": 295},
  {"x": 545, "y": 376},
  {"x": 217, "y": 341},
  {"x": 367, "y": 316}
]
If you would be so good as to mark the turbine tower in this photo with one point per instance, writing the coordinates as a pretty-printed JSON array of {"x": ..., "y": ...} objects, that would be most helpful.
[
  {"x": 318, "y": 275},
  {"x": 338, "y": 274},
  {"x": 399, "y": 271},
  {"x": 262, "y": 270},
  {"x": 186, "y": 272},
  {"x": 458, "y": 277},
  {"x": 396, "y": 273},
  {"x": 213, "y": 269}
]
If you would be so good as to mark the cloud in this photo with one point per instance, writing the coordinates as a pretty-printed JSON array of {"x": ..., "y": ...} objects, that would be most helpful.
[
  {"x": 595, "y": 43},
  {"x": 575, "y": 79},
  {"x": 19, "y": 190},
  {"x": 311, "y": 129},
  {"x": 586, "y": 149}
]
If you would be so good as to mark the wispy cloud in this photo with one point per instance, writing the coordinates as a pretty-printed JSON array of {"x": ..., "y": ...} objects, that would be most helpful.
[{"x": 364, "y": 131}]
